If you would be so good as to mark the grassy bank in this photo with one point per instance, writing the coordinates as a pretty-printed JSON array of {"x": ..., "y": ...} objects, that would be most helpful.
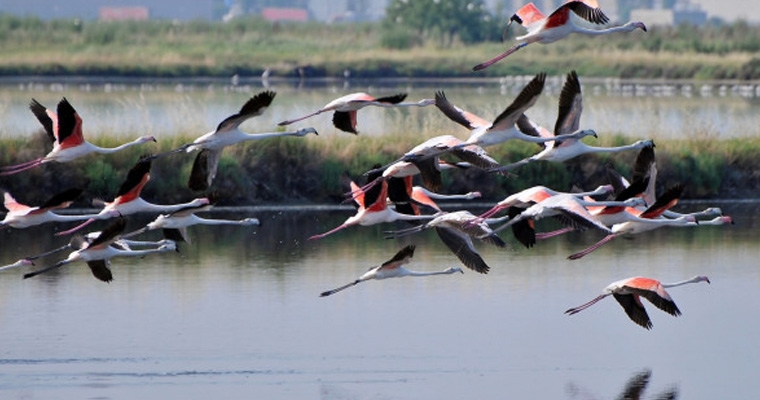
[
  {"x": 316, "y": 170},
  {"x": 249, "y": 46}
]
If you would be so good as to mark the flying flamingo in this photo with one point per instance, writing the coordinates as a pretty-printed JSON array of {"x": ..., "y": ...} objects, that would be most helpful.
[
  {"x": 456, "y": 230},
  {"x": 628, "y": 293},
  {"x": 75, "y": 243},
  {"x": 373, "y": 209},
  {"x": 393, "y": 268},
  {"x": 649, "y": 219},
  {"x": 22, "y": 216},
  {"x": 175, "y": 224},
  {"x": 226, "y": 134},
  {"x": 568, "y": 122},
  {"x": 346, "y": 107},
  {"x": 484, "y": 133},
  {"x": 128, "y": 200},
  {"x": 98, "y": 252},
  {"x": 64, "y": 127},
  {"x": 558, "y": 25}
]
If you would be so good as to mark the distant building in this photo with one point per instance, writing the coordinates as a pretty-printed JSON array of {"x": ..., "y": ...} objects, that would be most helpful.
[{"x": 123, "y": 13}]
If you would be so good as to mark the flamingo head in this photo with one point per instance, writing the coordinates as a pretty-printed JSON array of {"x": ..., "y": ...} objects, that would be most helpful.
[
  {"x": 144, "y": 139},
  {"x": 426, "y": 102},
  {"x": 635, "y": 202},
  {"x": 701, "y": 278},
  {"x": 473, "y": 195},
  {"x": 587, "y": 132},
  {"x": 169, "y": 245},
  {"x": 453, "y": 270},
  {"x": 251, "y": 221},
  {"x": 637, "y": 25},
  {"x": 306, "y": 131}
]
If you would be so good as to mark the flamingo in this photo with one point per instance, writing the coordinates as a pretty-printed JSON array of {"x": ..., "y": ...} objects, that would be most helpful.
[
  {"x": 628, "y": 293},
  {"x": 569, "y": 209},
  {"x": 532, "y": 195},
  {"x": 346, "y": 107},
  {"x": 128, "y": 200},
  {"x": 64, "y": 127},
  {"x": 649, "y": 219},
  {"x": 393, "y": 268},
  {"x": 98, "y": 252},
  {"x": 175, "y": 224},
  {"x": 568, "y": 121},
  {"x": 456, "y": 230},
  {"x": 74, "y": 243},
  {"x": 226, "y": 134},
  {"x": 485, "y": 133},
  {"x": 558, "y": 25},
  {"x": 425, "y": 157},
  {"x": 373, "y": 209},
  {"x": 23, "y": 216}
]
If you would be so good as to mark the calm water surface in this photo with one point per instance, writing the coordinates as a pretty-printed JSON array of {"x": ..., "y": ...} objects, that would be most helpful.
[
  {"x": 655, "y": 110},
  {"x": 236, "y": 315}
]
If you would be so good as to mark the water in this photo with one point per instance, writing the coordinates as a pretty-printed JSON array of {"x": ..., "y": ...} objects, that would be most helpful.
[
  {"x": 237, "y": 315},
  {"x": 163, "y": 108}
]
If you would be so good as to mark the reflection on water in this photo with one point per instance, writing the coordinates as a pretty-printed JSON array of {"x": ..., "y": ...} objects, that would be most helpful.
[
  {"x": 166, "y": 107},
  {"x": 634, "y": 389},
  {"x": 238, "y": 313}
]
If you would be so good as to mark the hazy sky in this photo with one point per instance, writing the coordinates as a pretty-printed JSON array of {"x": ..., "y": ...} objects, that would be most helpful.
[{"x": 731, "y": 10}]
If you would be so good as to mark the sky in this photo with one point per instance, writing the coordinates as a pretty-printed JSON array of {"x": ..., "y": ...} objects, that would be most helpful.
[{"x": 731, "y": 10}]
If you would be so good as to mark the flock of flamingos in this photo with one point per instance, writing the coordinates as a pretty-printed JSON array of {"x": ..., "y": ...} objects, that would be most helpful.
[{"x": 625, "y": 206}]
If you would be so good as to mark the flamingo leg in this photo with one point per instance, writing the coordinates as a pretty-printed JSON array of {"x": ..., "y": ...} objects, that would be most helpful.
[
  {"x": 592, "y": 247},
  {"x": 290, "y": 121},
  {"x": 76, "y": 228},
  {"x": 494, "y": 60},
  {"x": 584, "y": 306},
  {"x": 46, "y": 269},
  {"x": 547, "y": 235},
  {"x": 14, "y": 169},
  {"x": 330, "y": 232}
]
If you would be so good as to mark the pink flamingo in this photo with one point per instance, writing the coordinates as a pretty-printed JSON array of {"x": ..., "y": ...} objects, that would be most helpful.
[
  {"x": 456, "y": 230},
  {"x": 23, "y": 216},
  {"x": 98, "y": 252},
  {"x": 227, "y": 133},
  {"x": 128, "y": 200},
  {"x": 652, "y": 218},
  {"x": 558, "y": 25},
  {"x": 393, "y": 268},
  {"x": 628, "y": 293},
  {"x": 64, "y": 128},
  {"x": 346, "y": 107},
  {"x": 372, "y": 210},
  {"x": 567, "y": 144}
]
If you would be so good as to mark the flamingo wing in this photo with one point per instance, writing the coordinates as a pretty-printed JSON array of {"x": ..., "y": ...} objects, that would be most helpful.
[
  {"x": 137, "y": 177},
  {"x": 476, "y": 156},
  {"x": 527, "y": 15},
  {"x": 660, "y": 298},
  {"x": 345, "y": 121},
  {"x": 456, "y": 114},
  {"x": 403, "y": 256},
  {"x": 631, "y": 303},
  {"x": 69, "y": 126},
  {"x": 255, "y": 106},
  {"x": 570, "y": 106},
  {"x": 666, "y": 201},
  {"x": 523, "y": 230},
  {"x": 100, "y": 270},
  {"x": 588, "y": 10},
  {"x": 430, "y": 173},
  {"x": 109, "y": 234},
  {"x": 177, "y": 235},
  {"x": 394, "y": 99},
  {"x": 204, "y": 169},
  {"x": 528, "y": 127},
  {"x": 41, "y": 112},
  {"x": 14, "y": 206},
  {"x": 62, "y": 200},
  {"x": 526, "y": 99},
  {"x": 462, "y": 247}
]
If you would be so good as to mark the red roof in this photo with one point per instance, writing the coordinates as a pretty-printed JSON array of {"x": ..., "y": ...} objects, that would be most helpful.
[
  {"x": 285, "y": 14},
  {"x": 123, "y": 13}
]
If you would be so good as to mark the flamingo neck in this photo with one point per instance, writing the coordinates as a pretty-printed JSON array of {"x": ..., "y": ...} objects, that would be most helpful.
[{"x": 686, "y": 282}]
